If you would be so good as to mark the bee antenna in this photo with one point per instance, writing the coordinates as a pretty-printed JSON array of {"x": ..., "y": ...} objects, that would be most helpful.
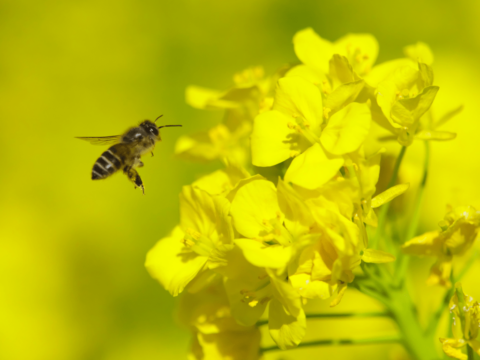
[
  {"x": 158, "y": 118},
  {"x": 168, "y": 126}
]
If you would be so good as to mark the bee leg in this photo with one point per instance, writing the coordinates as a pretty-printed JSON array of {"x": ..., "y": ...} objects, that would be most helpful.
[
  {"x": 152, "y": 153},
  {"x": 133, "y": 176},
  {"x": 140, "y": 164}
]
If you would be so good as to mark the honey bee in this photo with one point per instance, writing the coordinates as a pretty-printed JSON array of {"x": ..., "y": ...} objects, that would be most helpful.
[{"x": 126, "y": 150}]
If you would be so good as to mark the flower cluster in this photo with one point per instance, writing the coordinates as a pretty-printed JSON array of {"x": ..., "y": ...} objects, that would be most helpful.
[{"x": 290, "y": 216}]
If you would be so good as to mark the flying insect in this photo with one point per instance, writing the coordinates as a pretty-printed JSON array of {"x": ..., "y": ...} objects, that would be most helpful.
[{"x": 126, "y": 151}]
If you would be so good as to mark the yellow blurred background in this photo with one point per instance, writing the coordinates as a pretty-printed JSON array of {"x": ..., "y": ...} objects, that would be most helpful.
[{"x": 72, "y": 281}]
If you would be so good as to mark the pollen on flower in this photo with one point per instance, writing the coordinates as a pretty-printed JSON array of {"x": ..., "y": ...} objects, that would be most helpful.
[
  {"x": 264, "y": 300},
  {"x": 294, "y": 153},
  {"x": 326, "y": 87},
  {"x": 253, "y": 303},
  {"x": 187, "y": 241},
  {"x": 249, "y": 297}
]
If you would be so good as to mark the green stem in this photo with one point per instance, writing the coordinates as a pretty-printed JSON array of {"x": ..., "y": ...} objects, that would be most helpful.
[
  {"x": 433, "y": 323},
  {"x": 334, "y": 342},
  {"x": 471, "y": 356},
  {"x": 378, "y": 280},
  {"x": 403, "y": 260},
  {"x": 420, "y": 345},
  {"x": 337, "y": 315},
  {"x": 371, "y": 291},
  {"x": 382, "y": 215}
]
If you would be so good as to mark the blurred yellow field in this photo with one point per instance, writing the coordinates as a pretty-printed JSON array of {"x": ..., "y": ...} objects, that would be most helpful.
[{"x": 73, "y": 284}]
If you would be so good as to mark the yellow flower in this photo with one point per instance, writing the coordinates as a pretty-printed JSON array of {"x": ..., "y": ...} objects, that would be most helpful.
[
  {"x": 459, "y": 230},
  {"x": 360, "y": 50},
  {"x": 222, "y": 181},
  {"x": 256, "y": 213},
  {"x": 296, "y": 123},
  {"x": 195, "y": 247},
  {"x": 291, "y": 126},
  {"x": 466, "y": 325},
  {"x": 404, "y": 96},
  {"x": 242, "y": 102},
  {"x": 217, "y": 336},
  {"x": 251, "y": 288},
  {"x": 419, "y": 52}
]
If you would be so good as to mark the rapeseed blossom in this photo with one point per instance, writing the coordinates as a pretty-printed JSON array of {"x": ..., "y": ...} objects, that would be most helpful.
[
  {"x": 295, "y": 216},
  {"x": 459, "y": 230},
  {"x": 465, "y": 313}
]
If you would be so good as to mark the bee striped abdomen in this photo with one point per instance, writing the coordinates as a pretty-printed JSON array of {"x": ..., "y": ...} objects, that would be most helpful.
[{"x": 106, "y": 165}]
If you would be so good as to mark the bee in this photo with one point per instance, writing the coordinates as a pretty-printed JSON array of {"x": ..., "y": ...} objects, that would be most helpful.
[{"x": 126, "y": 151}]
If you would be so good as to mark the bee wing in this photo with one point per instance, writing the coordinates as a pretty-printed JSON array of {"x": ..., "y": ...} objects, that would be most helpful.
[{"x": 102, "y": 140}]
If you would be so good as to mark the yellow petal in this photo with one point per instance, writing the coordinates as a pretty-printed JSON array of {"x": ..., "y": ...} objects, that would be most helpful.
[
  {"x": 377, "y": 256},
  {"x": 347, "y": 129},
  {"x": 343, "y": 95},
  {"x": 310, "y": 289},
  {"x": 203, "y": 98},
  {"x": 389, "y": 195},
  {"x": 298, "y": 97},
  {"x": 171, "y": 266},
  {"x": 313, "y": 168},
  {"x": 286, "y": 294},
  {"x": 247, "y": 288},
  {"x": 340, "y": 70},
  {"x": 451, "y": 348},
  {"x": 221, "y": 181},
  {"x": 440, "y": 273},
  {"x": 196, "y": 147},
  {"x": 312, "y": 50},
  {"x": 419, "y": 52},
  {"x": 255, "y": 208},
  {"x": 308, "y": 74},
  {"x": 383, "y": 70},
  {"x": 341, "y": 291},
  {"x": 426, "y": 244},
  {"x": 406, "y": 111},
  {"x": 285, "y": 329},
  {"x": 273, "y": 141},
  {"x": 361, "y": 51},
  {"x": 205, "y": 215},
  {"x": 435, "y": 135},
  {"x": 298, "y": 218},
  {"x": 261, "y": 255}
]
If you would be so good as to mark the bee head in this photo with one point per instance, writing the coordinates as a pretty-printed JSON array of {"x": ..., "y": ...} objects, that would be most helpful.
[{"x": 150, "y": 128}]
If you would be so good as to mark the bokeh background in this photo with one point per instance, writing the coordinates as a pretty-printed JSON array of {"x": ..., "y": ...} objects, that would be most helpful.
[{"x": 72, "y": 281}]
